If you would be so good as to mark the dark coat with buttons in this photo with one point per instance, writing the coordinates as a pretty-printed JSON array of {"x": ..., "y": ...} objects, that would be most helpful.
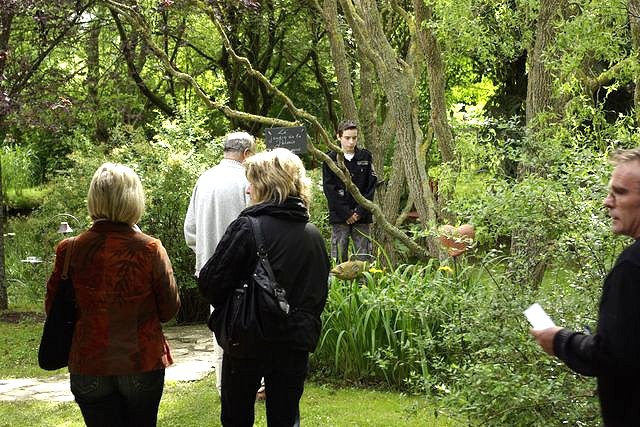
[{"x": 341, "y": 203}]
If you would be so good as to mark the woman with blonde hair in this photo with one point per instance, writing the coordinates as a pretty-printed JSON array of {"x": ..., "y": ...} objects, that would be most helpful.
[
  {"x": 279, "y": 191},
  {"x": 124, "y": 288}
]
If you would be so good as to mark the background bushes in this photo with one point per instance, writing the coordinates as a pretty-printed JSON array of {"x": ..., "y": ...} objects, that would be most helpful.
[{"x": 452, "y": 329}]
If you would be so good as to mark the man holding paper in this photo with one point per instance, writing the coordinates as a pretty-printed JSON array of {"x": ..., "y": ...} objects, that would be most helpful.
[{"x": 613, "y": 353}]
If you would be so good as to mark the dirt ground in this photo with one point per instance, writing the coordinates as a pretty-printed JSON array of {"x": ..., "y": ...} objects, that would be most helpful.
[{"x": 21, "y": 316}]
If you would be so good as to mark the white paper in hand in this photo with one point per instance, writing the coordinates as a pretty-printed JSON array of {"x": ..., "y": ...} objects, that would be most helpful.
[{"x": 538, "y": 318}]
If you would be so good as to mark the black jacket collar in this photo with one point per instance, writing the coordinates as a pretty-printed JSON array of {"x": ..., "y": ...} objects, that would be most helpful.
[{"x": 292, "y": 209}]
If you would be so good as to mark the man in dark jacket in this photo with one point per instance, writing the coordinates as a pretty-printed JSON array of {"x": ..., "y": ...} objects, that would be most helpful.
[
  {"x": 612, "y": 354},
  {"x": 348, "y": 218}
]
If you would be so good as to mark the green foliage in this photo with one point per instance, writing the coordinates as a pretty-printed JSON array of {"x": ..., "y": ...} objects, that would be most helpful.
[
  {"x": 604, "y": 40},
  {"x": 26, "y": 199},
  {"x": 20, "y": 340},
  {"x": 559, "y": 201},
  {"x": 30, "y": 237},
  {"x": 318, "y": 210},
  {"x": 398, "y": 327},
  {"x": 462, "y": 336},
  {"x": 457, "y": 331},
  {"x": 504, "y": 378},
  {"x": 18, "y": 164},
  {"x": 168, "y": 167}
]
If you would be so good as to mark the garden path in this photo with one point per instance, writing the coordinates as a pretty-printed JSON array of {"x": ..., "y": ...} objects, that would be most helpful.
[{"x": 191, "y": 347}]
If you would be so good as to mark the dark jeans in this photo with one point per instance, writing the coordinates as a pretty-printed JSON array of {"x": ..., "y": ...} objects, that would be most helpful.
[
  {"x": 284, "y": 372},
  {"x": 119, "y": 400},
  {"x": 360, "y": 234}
]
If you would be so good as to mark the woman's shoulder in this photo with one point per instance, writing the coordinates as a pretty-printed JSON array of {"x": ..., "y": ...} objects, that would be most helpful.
[
  {"x": 237, "y": 230},
  {"x": 242, "y": 222},
  {"x": 139, "y": 238},
  {"x": 63, "y": 245}
]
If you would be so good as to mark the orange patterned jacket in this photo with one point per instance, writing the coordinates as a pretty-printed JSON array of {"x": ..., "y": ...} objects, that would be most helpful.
[{"x": 124, "y": 288}]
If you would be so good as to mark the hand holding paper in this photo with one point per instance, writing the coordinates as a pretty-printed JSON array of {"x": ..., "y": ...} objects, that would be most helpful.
[{"x": 538, "y": 318}]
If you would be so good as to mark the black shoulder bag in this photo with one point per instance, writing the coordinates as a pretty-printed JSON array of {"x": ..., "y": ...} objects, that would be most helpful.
[
  {"x": 57, "y": 333},
  {"x": 255, "y": 313}
]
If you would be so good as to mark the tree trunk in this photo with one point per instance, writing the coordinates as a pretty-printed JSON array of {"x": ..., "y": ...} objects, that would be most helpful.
[
  {"x": 4, "y": 299},
  {"x": 368, "y": 115},
  {"x": 539, "y": 81},
  {"x": 340, "y": 64},
  {"x": 127, "y": 45},
  {"x": 6, "y": 20},
  {"x": 528, "y": 249},
  {"x": 437, "y": 85},
  {"x": 390, "y": 204},
  {"x": 397, "y": 80}
]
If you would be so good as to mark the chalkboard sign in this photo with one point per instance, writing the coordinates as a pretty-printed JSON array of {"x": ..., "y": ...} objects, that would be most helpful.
[{"x": 294, "y": 139}]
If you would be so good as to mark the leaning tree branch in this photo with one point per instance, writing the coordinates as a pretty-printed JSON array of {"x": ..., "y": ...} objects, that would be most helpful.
[
  {"x": 338, "y": 168},
  {"x": 130, "y": 13},
  {"x": 24, "y": 78},
  {"x": 608, "y": 75},
  {"x": 133, "y": 72}
]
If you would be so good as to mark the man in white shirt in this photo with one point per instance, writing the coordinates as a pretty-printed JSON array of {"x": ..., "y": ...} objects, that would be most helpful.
[{"x": 219, "y": 195}]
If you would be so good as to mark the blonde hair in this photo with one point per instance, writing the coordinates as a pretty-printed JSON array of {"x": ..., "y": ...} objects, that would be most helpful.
[
  {"x": 116, "y": 194},
  {"x": 275, "y": 175}
]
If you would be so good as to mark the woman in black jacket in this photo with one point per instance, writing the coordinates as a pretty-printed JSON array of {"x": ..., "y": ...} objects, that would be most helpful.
[{"x": 279, "y": 191}]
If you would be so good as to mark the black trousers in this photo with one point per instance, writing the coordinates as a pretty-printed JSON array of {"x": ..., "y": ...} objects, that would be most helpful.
[
  {"x": 119, "y": 400},
  {"x": 284, "y": 371}
]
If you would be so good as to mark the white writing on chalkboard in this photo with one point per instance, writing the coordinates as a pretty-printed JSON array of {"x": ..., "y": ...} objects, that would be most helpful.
[{"x": 293, "y": 138}]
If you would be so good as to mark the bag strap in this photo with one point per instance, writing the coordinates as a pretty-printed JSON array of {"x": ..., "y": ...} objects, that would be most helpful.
[
  {"x": 278, "y": 292},
  {"x": 262, "y": 249},
  {"x": 67, "y": 258}
]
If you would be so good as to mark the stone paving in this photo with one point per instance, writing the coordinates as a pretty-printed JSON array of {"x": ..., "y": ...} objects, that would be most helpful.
[{"x": 191, "y": 347}]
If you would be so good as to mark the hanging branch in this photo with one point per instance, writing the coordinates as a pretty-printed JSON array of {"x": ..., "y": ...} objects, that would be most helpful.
[
  {"x": 133, "y": 72},
  {"x": 338, "y": 168},
  {"x": 131, "y": 14}
]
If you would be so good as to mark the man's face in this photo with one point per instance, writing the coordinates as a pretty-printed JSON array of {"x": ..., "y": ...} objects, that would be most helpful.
[
  {"x": 623, "y": 200},
  {"x": 348, "y": 140}
]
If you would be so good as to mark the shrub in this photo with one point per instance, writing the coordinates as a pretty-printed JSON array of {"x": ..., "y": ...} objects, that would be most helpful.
[
  {"x": 18, "y": 165},
  {"x": 168, "y": 166},
  {"x": 456, "y": 331},
  {"x": 398, "y": 327}
]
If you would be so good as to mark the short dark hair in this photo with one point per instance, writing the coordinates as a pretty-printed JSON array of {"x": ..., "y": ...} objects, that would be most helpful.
[{"x": 346, "y": 124}]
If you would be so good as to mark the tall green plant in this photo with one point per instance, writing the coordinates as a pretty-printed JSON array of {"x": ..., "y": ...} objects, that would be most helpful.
[
  {"x": 18, "y": 164},
  {"x": 398, "y": 327}
]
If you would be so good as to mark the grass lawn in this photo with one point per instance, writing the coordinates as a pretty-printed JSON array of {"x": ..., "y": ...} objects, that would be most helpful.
[
  {"x": 197, "y": 404},
  {"x": 19, "y": 349}
]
